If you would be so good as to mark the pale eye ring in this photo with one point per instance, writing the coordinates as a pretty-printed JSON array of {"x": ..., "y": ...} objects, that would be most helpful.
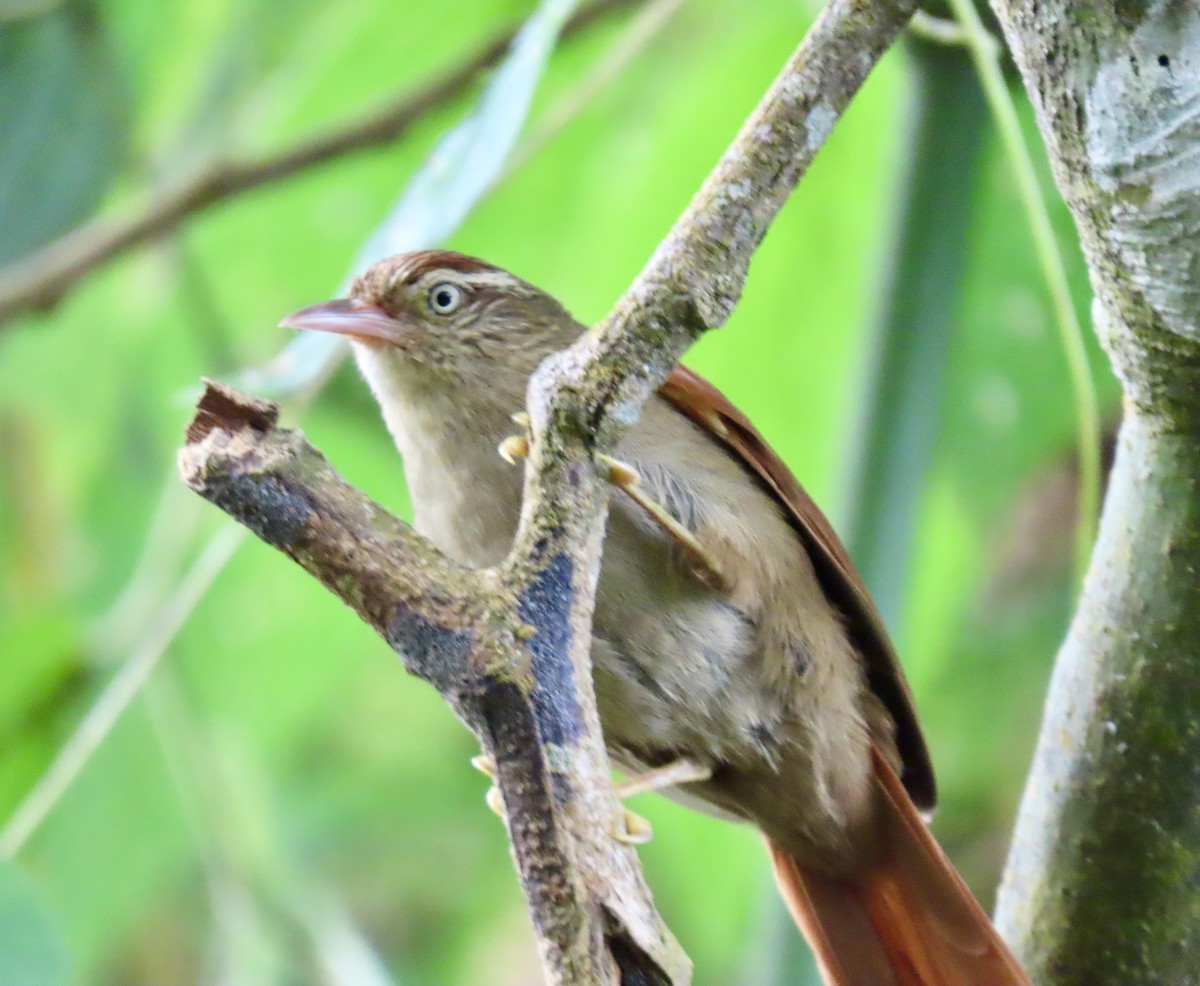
[{"x": 445, "y": 298}]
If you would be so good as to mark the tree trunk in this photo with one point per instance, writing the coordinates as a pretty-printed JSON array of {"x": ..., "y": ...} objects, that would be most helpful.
[{"x": 1103, "y": 880}]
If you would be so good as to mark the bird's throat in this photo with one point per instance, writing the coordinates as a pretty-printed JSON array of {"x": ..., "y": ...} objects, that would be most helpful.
[{"x": 465, "y": 497}]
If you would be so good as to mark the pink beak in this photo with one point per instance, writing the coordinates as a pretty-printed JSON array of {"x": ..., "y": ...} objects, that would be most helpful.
[{"x": 347, "y": 317}]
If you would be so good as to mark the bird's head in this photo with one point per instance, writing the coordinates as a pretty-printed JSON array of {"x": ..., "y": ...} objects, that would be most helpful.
[{"x": 436, "y": 319}]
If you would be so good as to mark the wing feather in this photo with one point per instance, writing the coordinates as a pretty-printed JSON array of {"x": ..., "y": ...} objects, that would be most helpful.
[{"x": 711, "y": 410}]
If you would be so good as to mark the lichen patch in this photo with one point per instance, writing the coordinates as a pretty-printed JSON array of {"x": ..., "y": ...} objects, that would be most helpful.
[{"x": 1143, "y": 146}]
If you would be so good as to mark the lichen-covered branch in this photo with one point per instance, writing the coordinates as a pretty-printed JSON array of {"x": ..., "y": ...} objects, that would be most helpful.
[
  {"x": 286, "y": 493},
  {"x": 1103, "y": 882},
  {"x": 695, "y": 277},
  {"x": 509, "y": 647},
  {"x": 585, "y": 397},
  {"x": 41, "y": 280},
  {"x": 482, "y": 647}
]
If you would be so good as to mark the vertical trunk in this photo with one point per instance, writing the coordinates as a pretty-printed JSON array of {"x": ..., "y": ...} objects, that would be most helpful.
[{"x": 1103, "y": 882}]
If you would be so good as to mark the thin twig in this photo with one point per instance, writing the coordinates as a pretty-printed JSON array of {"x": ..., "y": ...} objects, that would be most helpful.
[
  {"x": 19, "y": 10},
  {"x": 696, "y": 275},
  {"x": 41, "y": 280}
]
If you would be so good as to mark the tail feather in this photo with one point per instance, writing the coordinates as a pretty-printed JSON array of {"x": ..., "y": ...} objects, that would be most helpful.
[{"x": 908, "y": 921}]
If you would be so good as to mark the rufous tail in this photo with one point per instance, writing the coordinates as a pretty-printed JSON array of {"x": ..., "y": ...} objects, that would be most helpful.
[{"x": 907, "y": 921}]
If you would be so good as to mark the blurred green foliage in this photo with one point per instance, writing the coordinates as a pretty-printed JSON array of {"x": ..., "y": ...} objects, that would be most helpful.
[
  {"x": 57, "y": 66},
  {"x": 281, "y": 795},
  {"x": 33, "y": 950}
]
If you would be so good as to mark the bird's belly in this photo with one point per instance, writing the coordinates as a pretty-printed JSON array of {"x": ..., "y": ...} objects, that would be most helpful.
[
  {"x": 677, "y": 668},
  {"x": 682, "y": 673}
]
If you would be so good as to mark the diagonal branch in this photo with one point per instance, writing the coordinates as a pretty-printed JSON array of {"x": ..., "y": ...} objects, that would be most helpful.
[
  {"x": 695, "y": 277},
  {"x": 509, "y": 648},
  {"x": 591, "y": 392},
  {"x": 286, "y": 493},
  {"x": 41, "y": 280}
]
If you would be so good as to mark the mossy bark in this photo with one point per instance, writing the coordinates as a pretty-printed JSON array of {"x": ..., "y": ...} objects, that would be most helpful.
[{"x": 1103, "y": 881}]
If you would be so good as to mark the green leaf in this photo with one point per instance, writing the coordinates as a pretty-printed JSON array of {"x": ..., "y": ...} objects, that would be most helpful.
[
  {"x": 62, "y": 125},
  {"x": 32, "y": 952}
]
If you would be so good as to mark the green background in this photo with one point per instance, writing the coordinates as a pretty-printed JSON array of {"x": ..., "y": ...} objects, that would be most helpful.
[{"x": 280, "y": 804}]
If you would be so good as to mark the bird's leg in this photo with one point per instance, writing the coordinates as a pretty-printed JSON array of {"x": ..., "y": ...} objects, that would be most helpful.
[
  {"x": 627, "y": 479},
  {"x": 668, "y": 775},
  {"x": 634, "y": 830}
]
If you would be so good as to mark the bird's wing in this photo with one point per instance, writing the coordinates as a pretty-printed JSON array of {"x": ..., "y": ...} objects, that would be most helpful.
[{"x": 711, "y": 410}]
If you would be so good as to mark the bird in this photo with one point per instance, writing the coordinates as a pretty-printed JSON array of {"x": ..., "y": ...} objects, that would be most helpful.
[{"x": 739, "y": 663}]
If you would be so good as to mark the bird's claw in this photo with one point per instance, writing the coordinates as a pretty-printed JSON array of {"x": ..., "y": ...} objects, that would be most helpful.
[
  {"x": 494, "y": 801},
  {"x": 514, "y": 447},
  {"x": 486, "y": 765},
  {"x": 634, "y": 830},
  {"x": 620, "y": 474}
]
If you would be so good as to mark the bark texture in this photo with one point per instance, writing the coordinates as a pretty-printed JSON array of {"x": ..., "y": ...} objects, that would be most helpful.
[
  {"x": 1103, "y": 881},
  {"x": 509, "y": 647}
]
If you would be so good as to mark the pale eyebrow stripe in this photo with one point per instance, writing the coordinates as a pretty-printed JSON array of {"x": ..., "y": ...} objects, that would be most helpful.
[{"x": 482, "y": 279}]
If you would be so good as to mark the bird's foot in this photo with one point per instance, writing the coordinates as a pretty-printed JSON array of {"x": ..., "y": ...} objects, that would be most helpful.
[
  {"x": 514, "y": 447},
  {"x": 487, "y": 766},
  {"x": 635, "y": 830}
]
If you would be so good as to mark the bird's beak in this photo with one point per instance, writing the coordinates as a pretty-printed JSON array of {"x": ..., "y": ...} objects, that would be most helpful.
[{"x": 348, "y": 317}]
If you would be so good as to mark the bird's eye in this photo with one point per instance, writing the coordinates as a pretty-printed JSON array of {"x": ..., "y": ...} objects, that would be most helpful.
[{"x": 444, "y": 298}]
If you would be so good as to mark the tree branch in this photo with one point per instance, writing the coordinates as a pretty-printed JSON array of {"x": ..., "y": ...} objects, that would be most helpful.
[
  {"x": 286, "y": 493},
  {"x": 509, "y": 647},
  {"x": 588, "y": 395},
  {"x": 468, "y": 635},
  {"x": 41, "y": 280},
  {"x": 1103, "y": 874},
  {"x": 695, "y": 277}
]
